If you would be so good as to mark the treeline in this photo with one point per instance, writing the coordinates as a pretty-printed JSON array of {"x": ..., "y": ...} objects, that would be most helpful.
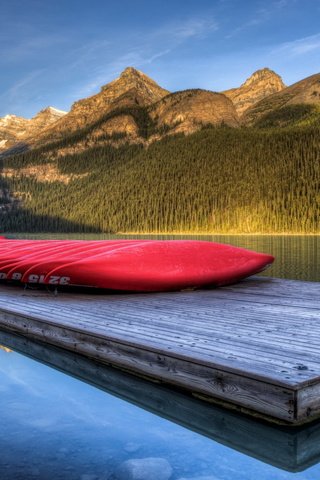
[
  {"x": 219, "y": 180},
  {"x": 289, "y": 115}
]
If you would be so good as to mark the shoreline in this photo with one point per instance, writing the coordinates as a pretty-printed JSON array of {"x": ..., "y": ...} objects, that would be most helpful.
[
  {"x": 171, "y": 234},
  {"x": 284, "y": 234}
]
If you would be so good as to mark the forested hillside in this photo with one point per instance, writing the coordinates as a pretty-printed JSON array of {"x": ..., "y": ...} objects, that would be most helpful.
[{"x": 220, "y": 179}]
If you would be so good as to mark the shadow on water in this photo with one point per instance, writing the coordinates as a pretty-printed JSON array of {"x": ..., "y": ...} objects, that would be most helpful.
[{"x": 288, "y": 448}]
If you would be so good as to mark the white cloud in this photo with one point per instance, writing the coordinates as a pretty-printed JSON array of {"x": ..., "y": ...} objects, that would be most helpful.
[
  {"x": 96, "y": 62},
  {"x": 19, "y": 86},
  {"x": 136, "y": 58},
  {"x": 20, "y": 91},
  {"x": 30, "y": 46},
  {"x": 190, "y": 28},
  {"x": 298, "y": 47},
  {"x": 262, "y": 15}
]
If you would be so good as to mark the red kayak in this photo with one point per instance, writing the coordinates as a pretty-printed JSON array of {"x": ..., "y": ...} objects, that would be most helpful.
[
  {"x": 129, "y": 265},
  {"x": 72, "y": 250},
  {"x": 161, "y": 266},
  {"x": 35, "y": 271}
]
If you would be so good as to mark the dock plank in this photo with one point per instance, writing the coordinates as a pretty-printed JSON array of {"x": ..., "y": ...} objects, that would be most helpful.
[
  {"x": 247, "y": 350},
  {"x": 243, "y": 341},
  {"x": 179, "y": 343},
  {"x": 255, "y": 344}
]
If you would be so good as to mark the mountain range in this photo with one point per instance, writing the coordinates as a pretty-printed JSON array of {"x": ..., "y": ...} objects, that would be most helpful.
[
  {"x": 135, "y": 109},
  {"x": 14, "y": 129},
  {"x": 137, "y": 158}
]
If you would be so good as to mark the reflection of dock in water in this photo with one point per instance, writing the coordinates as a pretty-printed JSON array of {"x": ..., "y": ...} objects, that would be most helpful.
[
  {"x": 288, "y": 448},
  {"x": 254, "y": 345}
]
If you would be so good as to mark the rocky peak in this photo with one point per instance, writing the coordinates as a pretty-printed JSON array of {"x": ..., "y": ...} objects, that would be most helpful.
[
  {"x": 13, "y": 120},
  {"x": 53, "y": 111},
  {"x": 12, "y": 128},
  {"x": 46, "y": 117},
  {"x": 187, "y": 111},
  {"x": 15, "y": 129},
  {"x": 131, "y": 89},
  {"x": 131, "y": 71},
  {"x": 301, "y": 94},
  {"x": 259, "y": 85},
  {"x": 131, "y": 74},
  {"x": 264, "y": 75},
  {"x": 131, "y": 79}
]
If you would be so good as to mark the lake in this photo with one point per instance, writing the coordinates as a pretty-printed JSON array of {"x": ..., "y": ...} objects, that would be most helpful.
[
  {"x": 54, "y": 426},
  {"x": 65, "y": 417}
]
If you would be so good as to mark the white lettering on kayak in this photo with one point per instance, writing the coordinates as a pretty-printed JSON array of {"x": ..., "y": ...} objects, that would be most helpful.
[
  {"x": 36, "y": 278},
  {"x": 33, "y": 278},
  {"x": 3, "y": 276},
  {"x": 55, "y": 280},
  {"x": 16, "y": 276}
]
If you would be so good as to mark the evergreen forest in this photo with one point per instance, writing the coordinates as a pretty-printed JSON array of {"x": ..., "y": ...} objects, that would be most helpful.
[{"x": 217, "y": 180}]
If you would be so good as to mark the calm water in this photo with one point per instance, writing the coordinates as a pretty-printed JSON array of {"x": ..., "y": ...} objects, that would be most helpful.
[
  {"x": 54, "y": 426},
  {"x": 297, "y": 257}
]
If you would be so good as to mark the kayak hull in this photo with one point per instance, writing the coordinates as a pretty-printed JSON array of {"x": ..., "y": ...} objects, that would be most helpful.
[{"x": 137, "y": 266}]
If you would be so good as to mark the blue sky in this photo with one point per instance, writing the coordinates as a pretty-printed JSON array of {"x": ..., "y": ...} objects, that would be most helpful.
[{"x": 55, "y": 52}]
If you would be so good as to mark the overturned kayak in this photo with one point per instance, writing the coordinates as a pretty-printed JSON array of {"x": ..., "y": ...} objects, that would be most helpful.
[{"x": 128, "y": 265}]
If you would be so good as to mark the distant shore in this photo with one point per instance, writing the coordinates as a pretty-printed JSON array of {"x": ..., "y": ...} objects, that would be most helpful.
[
  {"x": 165, "y": 234},
  {"x": 212, "y": 234}
]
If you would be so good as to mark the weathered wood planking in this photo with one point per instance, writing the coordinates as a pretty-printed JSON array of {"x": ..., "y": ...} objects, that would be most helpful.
[
  {"x": 255, "y": 345},
  {"x": 292, "y": 449}
]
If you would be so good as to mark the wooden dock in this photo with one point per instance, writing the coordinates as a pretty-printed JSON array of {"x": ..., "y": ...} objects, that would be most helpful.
[{"x": 254, "y": 346}]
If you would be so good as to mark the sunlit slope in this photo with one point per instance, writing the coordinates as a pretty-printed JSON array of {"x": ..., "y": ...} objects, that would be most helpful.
[{"x": 216, "y": 180}]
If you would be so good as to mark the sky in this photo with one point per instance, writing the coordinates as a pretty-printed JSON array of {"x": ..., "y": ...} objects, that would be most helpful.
[{"x": 54, "y": 52}]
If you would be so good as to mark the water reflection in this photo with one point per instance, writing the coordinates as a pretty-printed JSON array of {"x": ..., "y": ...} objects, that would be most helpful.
[
  {"x": 297, "y": 256},
  {"x": 55, "y": 427}
]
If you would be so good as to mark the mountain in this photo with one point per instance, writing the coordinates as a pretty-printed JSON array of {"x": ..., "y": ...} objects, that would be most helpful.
[
  {"x": 134, "y": 109},
  {"x": 188, "y": 110},
  {"x": 260, "y": 85},
  {"x": 131, "y": 90},
  {"x": 44, "y": 118},
  {"x": 216, "y": 180},
  {"x": 121, "y": 161},
  {"x": 14, "y": 130},
  {"x": 295, "y": 104}
]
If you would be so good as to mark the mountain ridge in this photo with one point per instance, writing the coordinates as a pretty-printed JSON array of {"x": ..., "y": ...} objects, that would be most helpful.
[
  {"x": 131, "y": 88},
  {"x": 260, "y": 84},
  {"x": 303, "y": 92},
  {"x": 15, "y": 129},
  {"x": 184, "y": 163},
  {"x": 134, "y": 109}
]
